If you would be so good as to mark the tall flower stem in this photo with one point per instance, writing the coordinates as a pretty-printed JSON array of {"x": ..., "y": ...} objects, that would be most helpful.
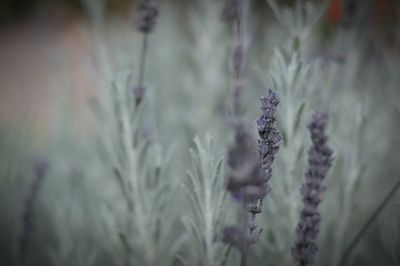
[
  {"x": 237, "y": 58},
  {"x": 147, "y": 15},
  {"x": 228, "y": 251},
  {"x": 234, "y": 15},
  {"x": 243, "y": 257},
  {"x": 250, "y": 171},
  {"x": 142, "y": 61}
]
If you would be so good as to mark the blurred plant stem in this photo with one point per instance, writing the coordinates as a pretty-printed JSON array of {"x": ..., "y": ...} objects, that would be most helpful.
[
  {"x": 142, "y": 68},
  {"x": 368, "y": 223},
  {"x": 226, "y": 256}
]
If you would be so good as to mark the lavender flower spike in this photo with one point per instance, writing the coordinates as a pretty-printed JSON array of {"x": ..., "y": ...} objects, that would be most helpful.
[
  {"x": 250, "y": 173},
  {"x": 319, "y": 162},
  {"x": 246, "y": 183},
  {"x": 147, "y": 15},
  {"x": 270, "y": 137}
]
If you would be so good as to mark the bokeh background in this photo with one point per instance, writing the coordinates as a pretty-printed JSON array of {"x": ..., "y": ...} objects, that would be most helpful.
[
  {"x": 44, "y": 46},
  {"x": 62, "y": 61}
]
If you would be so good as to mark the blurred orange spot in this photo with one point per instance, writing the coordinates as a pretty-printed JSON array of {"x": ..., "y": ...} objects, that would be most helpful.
[{"x": 335, "y": 11}]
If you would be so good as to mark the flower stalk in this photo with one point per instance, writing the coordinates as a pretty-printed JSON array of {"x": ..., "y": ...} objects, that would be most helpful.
[
  {"x": 233, "y": 14},
  {"x": 250, "y": 173},
  {"x": 146, "y": 21}
]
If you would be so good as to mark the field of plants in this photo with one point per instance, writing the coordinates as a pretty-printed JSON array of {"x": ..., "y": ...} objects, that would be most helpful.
[{"x": 224, "y": 132}]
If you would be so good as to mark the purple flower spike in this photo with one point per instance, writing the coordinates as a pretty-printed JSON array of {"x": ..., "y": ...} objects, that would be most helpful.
[
  {"x": 319, "y": 163},
  {"x": 147, "y": 15},
  {"x": 270, "y": 137}
]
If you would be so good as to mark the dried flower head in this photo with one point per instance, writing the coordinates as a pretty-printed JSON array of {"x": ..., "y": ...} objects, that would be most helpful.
[
  {"x": 319, "y": 163},
  {"x": 147, "y": 15}
]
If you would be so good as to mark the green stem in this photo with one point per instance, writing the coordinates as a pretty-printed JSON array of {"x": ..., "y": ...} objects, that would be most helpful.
[
  {"x": 142, "y": 60},
  {"x": 243, "y": 257},
  {"x": 140, "y": 90},
  {"x": 371, "y": 219},
  {"x": 226, "y": 255}
]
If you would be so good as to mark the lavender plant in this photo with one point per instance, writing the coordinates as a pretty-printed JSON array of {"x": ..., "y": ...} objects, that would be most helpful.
[
  {"x": 138, "y": 164},
  {"x": 354, "y": 167},
  {"x": 249, "y": 174},
  {"x": 297, "y": 78},
  {"x": 139, "y": 170},
  {"x": 254, "y": 187},
  {"x": 206, "y": 194},
  {"x": 319, "y": 163},
  {"x": 246, "y": 183}
]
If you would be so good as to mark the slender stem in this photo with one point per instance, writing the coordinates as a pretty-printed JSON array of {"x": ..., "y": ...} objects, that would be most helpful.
[
  {"x": 142, "y": 64},
  {"x": 238, "y": 51},
  {"x": 371, "y": 219},
  {"x": 243, "y": 257},
  {"x": 139, "y": 90},
  {"x": 228, "y": 251},
  {"x": 244, "y": 245}
]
